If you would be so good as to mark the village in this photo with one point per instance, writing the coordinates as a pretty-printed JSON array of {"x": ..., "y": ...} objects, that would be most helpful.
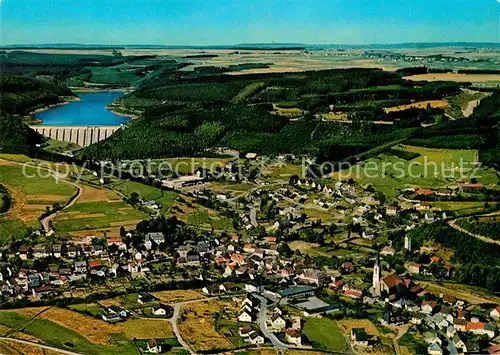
[{"x": 300, "y": 251}]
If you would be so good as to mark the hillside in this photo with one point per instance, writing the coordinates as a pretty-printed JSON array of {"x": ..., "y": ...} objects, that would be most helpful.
[{"x": 185, "y": 114}]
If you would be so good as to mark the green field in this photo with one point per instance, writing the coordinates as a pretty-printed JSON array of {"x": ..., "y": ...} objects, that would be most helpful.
[
  {"x": 432, "y": 169},
  {"x": 88, "y": 308},
  {"x": 166, "y": 198},
  {"x": 325, "y": 334},
  {"x": 64, "y": 338},
  {"x": 33, "y": 182},
  {"x": 107, "y": 214},
  {"x": 203, "y": 219}
]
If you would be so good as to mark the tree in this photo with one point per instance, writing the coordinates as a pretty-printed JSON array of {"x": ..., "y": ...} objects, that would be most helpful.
[
  {"x": 134, "y": 198},
  {"x": 285, "y": 250}
]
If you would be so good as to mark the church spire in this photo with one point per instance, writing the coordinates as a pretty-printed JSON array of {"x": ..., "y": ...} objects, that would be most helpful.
[{"x": 376, "y": 276}]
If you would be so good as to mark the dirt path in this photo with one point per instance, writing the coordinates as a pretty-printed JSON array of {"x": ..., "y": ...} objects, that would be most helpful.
[
  {"x": 41, "y": 346},
  {"x": 46, "y": 221},
  {"x": 454, "y": 225},
  {"x": 467, "y": 295}
]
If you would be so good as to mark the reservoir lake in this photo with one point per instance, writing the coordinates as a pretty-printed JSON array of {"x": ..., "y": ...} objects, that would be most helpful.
[{"x": 90, "y": 110}]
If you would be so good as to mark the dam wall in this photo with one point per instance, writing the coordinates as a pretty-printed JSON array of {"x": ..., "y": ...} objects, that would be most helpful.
[{"x": 83, "y": 136}]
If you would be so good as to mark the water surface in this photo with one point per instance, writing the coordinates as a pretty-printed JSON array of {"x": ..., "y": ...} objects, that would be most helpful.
[{"x": 90, "y": 111}]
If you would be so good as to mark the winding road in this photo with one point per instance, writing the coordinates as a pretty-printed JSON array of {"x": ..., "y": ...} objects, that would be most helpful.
[
  {"x": 453, "y": 224},
  {"x": 41, "y": 346}
]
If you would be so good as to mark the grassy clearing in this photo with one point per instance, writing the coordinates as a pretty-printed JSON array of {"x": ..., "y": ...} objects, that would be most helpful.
[
  {"x": 433, "y": 168},
  {"x": 325, "y": 334},
  {"x": 92, "y": 308},
  {"x": 198, "y": 325},
  {"x": 347, "y": 324},
  {"x": 177, "y": 296},
  {"x": 166, "y": 198},
  {"x": 95, "y": 215},
  {"x": 32, "y": 183},
  {"x": 64, "y": 337},
  {"x": 462, "y": 105},
  {"x": 206, "y": 220},
  {"x": 461, "y": 78},
  {"x": 420, "y": 104},
  {"x": 30, "y": 194}
]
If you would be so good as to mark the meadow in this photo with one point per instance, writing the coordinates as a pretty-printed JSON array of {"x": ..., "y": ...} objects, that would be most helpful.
[
  {"x": 198, "y": 325},
  {"x": 325, "y": 334},
  {"x": 73, "y": 331},
  {"x": 433, "y": 168},
  {"x": 97, "y": 216},
  {"x": 29, "y": 197}
]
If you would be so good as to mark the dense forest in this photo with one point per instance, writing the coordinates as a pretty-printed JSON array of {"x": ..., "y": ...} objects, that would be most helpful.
[
  {"x": 478, "y": 262},
  {"x": 185, "y": 114},
  {"x": 19, "y": 96}
]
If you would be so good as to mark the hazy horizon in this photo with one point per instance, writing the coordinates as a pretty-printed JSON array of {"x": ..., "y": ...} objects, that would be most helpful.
[{"x": 223, "y": 22}]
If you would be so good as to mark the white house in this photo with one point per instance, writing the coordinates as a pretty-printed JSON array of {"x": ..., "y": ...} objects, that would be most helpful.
[
  {"x": 434, "y": 349},
  {"x": 245, "y": 316},
  {"x": 495, "y": 313},
  {"x": 293, "y": 336},
  {"x": 277, "y": 322},
  {"x": 256, "y": 338}
]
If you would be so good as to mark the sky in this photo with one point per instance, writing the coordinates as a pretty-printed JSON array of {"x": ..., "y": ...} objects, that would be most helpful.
[{"x": 210, "y": 22}]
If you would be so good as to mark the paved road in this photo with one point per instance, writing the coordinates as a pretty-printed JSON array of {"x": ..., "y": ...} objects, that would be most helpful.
[
  {"x": 263, "y": 325},
  {"x": 253, "y": 217},
  {"x": 46, "y": 347}
]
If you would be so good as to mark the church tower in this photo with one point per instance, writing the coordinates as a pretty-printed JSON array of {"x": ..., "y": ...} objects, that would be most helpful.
[
  {"x": 408, "y": 243},
  {"x": 376, "y": 276}
]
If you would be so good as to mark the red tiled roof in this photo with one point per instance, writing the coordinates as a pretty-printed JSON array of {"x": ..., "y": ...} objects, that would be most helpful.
[
  {"x": 294, "y": 333},
  {"x": 425, "y": 192},
  {"x": 494, "y": 349},
  {"x": 392, "y": 280},
  {"x": 94, "y": 263},
  {"x": 474, "y": 326},
  {"x": 432, "y": 304}
]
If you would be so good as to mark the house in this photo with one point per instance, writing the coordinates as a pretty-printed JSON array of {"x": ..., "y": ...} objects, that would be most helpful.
[
  {"x": 296, "y": 322},
  {"x": 297, "y": 292},
  {"x": 459, "y": 344},
  {"x": 416, "y": 318},
  {"x": 413, "y": 268},
  {"x": 494, "y": 349},
  {"x": 459, "y": 324},
  {"x": 145, "y": 297},
  {"x": 359, "y": 336},
  {"x": 277, "y": 322},
  {"x": 80, "y": 266},
  {"x": 428, "y": 306},
  {"x": 245, "y": 331},
  {"x": 293, "y": 336},
  {"x": 390, "y": 284},
  {"x": 434, "y": 349},
  {"x": 481, "y": 328},
  {"x": 110, "y": 316},
  {"x": 348, "y": 267},
  {"x": 161, "y": 310},
  {"x": 450, "y": 332},
  {"x": 153, "y": 346},
  {"x": 256, "y": 338},
  {"x": 246, "y": 316},
  {"x": 313, "y": 276},
  {"x": 157, "y": 238},
  {"x": 495, "y": 313}
]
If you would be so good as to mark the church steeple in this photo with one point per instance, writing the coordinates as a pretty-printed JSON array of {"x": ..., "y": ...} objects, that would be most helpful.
[{"x": 376, "y": 276}]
